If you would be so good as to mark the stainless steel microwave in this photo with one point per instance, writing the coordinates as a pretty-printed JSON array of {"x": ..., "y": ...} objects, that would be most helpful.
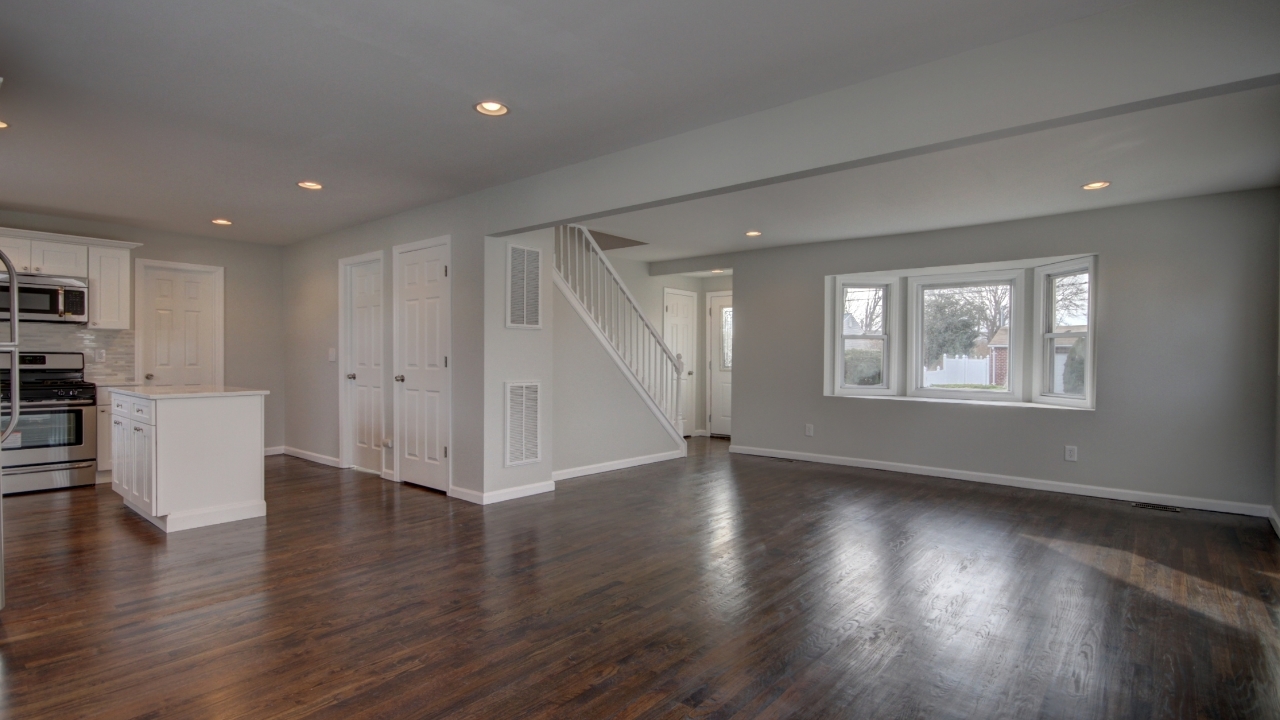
[{"x": 47, "y": 298}]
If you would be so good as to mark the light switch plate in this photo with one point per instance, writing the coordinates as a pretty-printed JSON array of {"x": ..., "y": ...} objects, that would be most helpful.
[{"x": 333, "y": 354}]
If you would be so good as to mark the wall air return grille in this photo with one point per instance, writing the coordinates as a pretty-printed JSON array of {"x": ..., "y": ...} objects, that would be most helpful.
[
  {"x": 523, "y": 445},
  {"x": 524, "y": 291}
]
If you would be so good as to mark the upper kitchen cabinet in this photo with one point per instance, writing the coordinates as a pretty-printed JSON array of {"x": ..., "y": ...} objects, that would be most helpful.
[
  {"x": 19, "y": 252},
  {"x": 109, "y": 296},
  {"x": 58, "y": 258},
  {"x": 106, "y": 264}
]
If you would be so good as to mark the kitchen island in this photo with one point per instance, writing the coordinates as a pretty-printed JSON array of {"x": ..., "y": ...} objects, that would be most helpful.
[{"x": 188, "y": 456}]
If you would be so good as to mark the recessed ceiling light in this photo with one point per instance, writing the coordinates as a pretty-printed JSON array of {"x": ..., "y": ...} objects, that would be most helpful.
[
  {"x": 1096, "y": 185},
  {"x": 222, "y": 221},
  {"x": 753, "y": 233},
  {"x": 310, "y": 185},
  {"x": 717, "y": 271},
  {"x": 3, "y": 125},
  {"x": 490, "y": 107}
]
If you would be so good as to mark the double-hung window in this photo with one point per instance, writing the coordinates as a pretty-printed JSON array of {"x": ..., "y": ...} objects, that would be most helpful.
[
  {"x": 1011, "y": 332},
  {"x": 865, "y": 333},
  {"x": 1064, "y": 330}
]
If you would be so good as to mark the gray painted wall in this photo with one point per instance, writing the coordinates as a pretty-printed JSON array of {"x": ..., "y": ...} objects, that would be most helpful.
[
  {"x": 517, "y": 355},
  {"x": 254, "y": 339},
  {"x": 1187, "y": 353},
  {"x": 600, "y": 418}
]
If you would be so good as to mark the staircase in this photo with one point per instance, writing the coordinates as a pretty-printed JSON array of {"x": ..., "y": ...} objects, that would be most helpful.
[{"x": 596, "y": 292}]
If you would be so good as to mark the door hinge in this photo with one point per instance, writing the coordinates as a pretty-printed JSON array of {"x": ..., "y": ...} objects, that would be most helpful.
[
  {"x": 446, "y": 271},
  {"x": 446, "y": 361},
  {"x": 446, "y": 451}
]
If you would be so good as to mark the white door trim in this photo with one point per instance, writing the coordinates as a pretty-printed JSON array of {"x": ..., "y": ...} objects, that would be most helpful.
[
  {"x": 139, "y": 293},
  {"x": 346, "y": 434},
  {"x": 396, "y": 265},
  {"x": 711, "y": 346}
]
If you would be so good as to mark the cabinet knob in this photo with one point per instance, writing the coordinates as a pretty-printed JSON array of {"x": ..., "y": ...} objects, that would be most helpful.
[
  {"x": 95, "y": 323},
  {"x": 399, "y": 378},
  {"x": 150, "y": 376},
  {"x": 37, "y": 269},
  {"x": 137, "y": 429},
  {"x": 351, "y": 376},
  {"x": 25, "y": 267}
]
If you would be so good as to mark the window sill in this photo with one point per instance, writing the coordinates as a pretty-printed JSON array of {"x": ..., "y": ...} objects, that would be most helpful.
[{"x": 957, "y": 401}]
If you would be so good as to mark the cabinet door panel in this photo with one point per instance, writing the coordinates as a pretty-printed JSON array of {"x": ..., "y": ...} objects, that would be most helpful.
[
  {"x": 122, "y": 458},
  {"x": 105, "y": 438},
  {"x": 145, "y": 463},
  {"x": 55, "y": 258},
  {"x": 110, "y": 298},
  {"x": 19, "y": 252}
]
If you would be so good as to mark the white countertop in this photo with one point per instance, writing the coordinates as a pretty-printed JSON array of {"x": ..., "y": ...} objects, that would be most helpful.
[{"x": 184, "y": 391}]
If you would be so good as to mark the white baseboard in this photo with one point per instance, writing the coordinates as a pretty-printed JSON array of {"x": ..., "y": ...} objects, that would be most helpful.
[
  {"x": 215, "y": 515},
  {"x": 695, "y": 433},
  {"x": 386, "y": 474},
  {"x": 488, "y": 498},
  {"x": 173, "y": 522},
  {"x": 277, "y": 450},
  {"x": 1275, "y": 520},
  {"x": 617, "y": 464},
  {"x": 313, "y": 457},
  {"x": 1194, "y": 503},
  {"x": 104, "y": 476}
]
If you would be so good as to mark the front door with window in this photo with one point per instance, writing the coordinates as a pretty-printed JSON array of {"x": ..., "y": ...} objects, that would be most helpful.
[{"x": 720, "y": 392}]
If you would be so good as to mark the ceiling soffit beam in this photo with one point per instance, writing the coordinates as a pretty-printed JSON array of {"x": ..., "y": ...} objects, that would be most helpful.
[
  {"x": 1002, "y": 134},
  {"x": 1105, "y": 64}
]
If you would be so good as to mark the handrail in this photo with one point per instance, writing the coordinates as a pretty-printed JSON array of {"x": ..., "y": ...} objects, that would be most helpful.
[
  {"x": 631, "y": 298},
  {"x": 594, "y": 283}
]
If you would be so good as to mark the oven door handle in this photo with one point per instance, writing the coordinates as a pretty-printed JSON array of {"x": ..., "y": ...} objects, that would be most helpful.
[{"x": 29, "y": 469}]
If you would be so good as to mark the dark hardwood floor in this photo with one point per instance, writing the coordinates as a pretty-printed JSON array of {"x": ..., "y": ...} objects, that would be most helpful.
[{"x": 714, "y": 586}]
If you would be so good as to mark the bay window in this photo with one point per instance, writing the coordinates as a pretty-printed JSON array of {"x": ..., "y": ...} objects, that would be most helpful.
[{"x": 1012, "y": 332}]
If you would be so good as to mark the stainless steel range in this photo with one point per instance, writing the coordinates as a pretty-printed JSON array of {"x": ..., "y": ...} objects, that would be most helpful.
[{"x": 55, "y": 442}]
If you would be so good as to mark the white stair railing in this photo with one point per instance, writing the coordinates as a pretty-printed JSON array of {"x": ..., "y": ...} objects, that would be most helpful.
[{"x": 586, "y": 274}]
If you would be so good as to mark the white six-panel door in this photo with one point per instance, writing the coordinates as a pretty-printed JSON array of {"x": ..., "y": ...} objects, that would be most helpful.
[
  {"x": 422, "y": 376},
  {"x": 362, "y": 363},
  {"x": 720, "y": 364},
  {"x": 679, "y": 330},
  {"x": 179, "y": 324}
]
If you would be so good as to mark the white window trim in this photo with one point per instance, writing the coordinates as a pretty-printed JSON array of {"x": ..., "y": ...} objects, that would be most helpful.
[
  {"x": 915, "y": 294},
  {"x": 1027, "y": 316},
  {"x": 893, "y": 331},
  {"x": 1041, "y": 310}
]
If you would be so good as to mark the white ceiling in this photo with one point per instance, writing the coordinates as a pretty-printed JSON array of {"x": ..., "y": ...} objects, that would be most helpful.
[
  {"x": 168, "y": 113},
  {"x": 1215, "y": 145}
]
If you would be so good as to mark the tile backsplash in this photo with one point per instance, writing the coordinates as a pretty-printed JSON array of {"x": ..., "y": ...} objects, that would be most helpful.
[{"x": 54, "y": 337}]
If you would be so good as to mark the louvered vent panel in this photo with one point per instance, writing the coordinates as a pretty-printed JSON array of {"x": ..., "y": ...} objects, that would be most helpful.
[
  {"x": 522, "y": 423},
  {"x": 524, "y": 290}
]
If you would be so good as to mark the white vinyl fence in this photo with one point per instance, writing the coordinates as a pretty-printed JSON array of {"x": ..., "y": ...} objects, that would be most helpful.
[{"x": 960, "y": 370}]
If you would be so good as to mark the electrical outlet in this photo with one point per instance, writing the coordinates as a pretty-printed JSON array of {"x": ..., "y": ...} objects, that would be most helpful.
[
  {"x": 808, "y": 430},
  {"x": 1071, "y": 453},
  {"x": 333, "y": 354}
]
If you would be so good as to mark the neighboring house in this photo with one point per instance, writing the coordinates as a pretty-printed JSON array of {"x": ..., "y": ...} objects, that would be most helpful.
[{"x": 999, "y": 348}]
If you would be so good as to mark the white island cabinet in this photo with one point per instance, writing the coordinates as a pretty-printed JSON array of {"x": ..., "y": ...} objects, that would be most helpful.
[{"x": 186, "y": 457}]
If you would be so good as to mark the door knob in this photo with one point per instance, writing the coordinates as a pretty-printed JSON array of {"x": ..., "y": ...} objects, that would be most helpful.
[
  {"x": 150, "y": 376},
  {"x": 399, "y": 378},
  {"x": 351, "y": 376},
  {"x": 690, "y": 372}
]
